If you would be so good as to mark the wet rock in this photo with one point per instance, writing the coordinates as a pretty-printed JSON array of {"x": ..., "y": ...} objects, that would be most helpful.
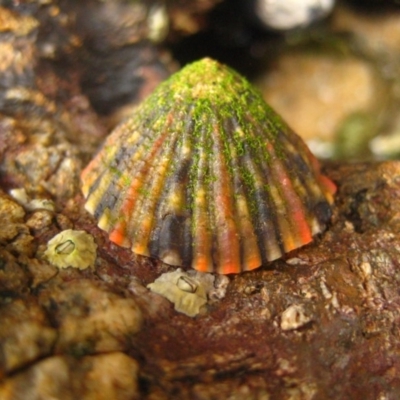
[
  {"x": 14, "y": 279},
  {"x": 11, "y": 218},
  {"x": 25, "y": 334},
  {"x": 339, "y": 99},
  {"x": 328, "y": 309},
  {"x": 120, "y": 62},
  {"x": 90, "y": 317},
  {"x": 321, "y": 324},
  {"x": 187, "y": 17},
  {"x": 42, "y": 145},
  {"x": 108, "y": 376}
]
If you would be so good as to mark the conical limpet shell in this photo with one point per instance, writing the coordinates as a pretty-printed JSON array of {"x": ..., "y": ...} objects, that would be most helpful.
[{"x": 205, "y": 174}]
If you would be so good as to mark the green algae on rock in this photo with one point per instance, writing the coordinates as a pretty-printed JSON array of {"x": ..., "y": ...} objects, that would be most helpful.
[{"x": 205, "y": 174}]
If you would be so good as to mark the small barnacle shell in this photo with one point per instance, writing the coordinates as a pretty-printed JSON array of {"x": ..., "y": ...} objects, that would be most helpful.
[
  {"x": 22, "y": 198},
  {"x": 205, "y": 174},
  {"x": 188, "y": 292},
  {"x": 71, "y": 248},
  {"x": 294, "y": 317},
  {"x": 186, "y": 284}
]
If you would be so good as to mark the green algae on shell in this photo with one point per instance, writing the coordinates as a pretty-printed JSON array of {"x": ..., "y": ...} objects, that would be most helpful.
[{"x": 205, "y": 174}]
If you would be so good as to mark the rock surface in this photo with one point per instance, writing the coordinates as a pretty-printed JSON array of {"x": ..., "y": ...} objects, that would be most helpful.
[{"x": 323, "y": 323}]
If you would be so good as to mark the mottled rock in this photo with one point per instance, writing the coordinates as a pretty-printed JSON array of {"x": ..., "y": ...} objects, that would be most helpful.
[
  {"x": 379, "y": 30},
  {"x": 294, "y": 317},
  {"x": 188, "y": 17},
  {"x": 48, "y": 378},
  {"x": 341, "y": 291},
  {"x": 39, "y": 271},
  {"x": 40, "y": 219},
  {"x": 11, "y": 218},
  {"x": 90, "y": 317},
  {"x": 321, "y": 323},
  {"x": 14, "y": 279},
  {"x": 19, "y": 35},
  {"x": 14, "y": 234},
  {"x": 42, "y": 142},
  {"x": 311, "y": 321},
  {"x": 10, "y": 211},
  {"x": 339, "y": 97},
  {"x": 108, "y": 376},
  {"x": 120, "y": 62},
  {"x": 25, "y": 334}
]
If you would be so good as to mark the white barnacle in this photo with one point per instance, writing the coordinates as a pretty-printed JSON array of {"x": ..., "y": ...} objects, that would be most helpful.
[
  {"x": 186, "y": 284},
  {"x": 71, "y": 248},
  {"x": 294, "y": 317},
  {"x": 189, "y": 291}
]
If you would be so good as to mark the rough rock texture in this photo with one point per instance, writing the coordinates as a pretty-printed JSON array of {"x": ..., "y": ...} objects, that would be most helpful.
[
  {"x": 119, "y": 59},
  {"x": 321, "y": 324},
  {"x": 41, "y": 111},
  {"x": 48, "y": 127},
  {"x": 25, "y": 335},
  {"x": 105, "y": 376}
]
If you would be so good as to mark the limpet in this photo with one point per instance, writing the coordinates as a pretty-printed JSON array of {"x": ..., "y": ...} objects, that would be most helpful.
[{"x": 205, "y": 174}]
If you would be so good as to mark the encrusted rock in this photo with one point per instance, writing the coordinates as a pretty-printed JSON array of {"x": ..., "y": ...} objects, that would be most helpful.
[
  {"x": 14, "y": 279},
  {"x": 25, "y": 335},
  {"x": 102, "y": 377},
  {"x": 294, "y": 317},
  {"x": 91, "y": 318}
]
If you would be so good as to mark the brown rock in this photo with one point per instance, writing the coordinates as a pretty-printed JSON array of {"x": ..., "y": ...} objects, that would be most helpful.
[
  {"x": 25, "y": 335},
  {"x": 312, "y": 325},
  {"x": 108, "y": 376},
  {"x": 90, "y": 317},
  {"x": 13, "y": 276},
  {"x": 335, "y": 88},
  {"x": 323, "y": 323}
]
